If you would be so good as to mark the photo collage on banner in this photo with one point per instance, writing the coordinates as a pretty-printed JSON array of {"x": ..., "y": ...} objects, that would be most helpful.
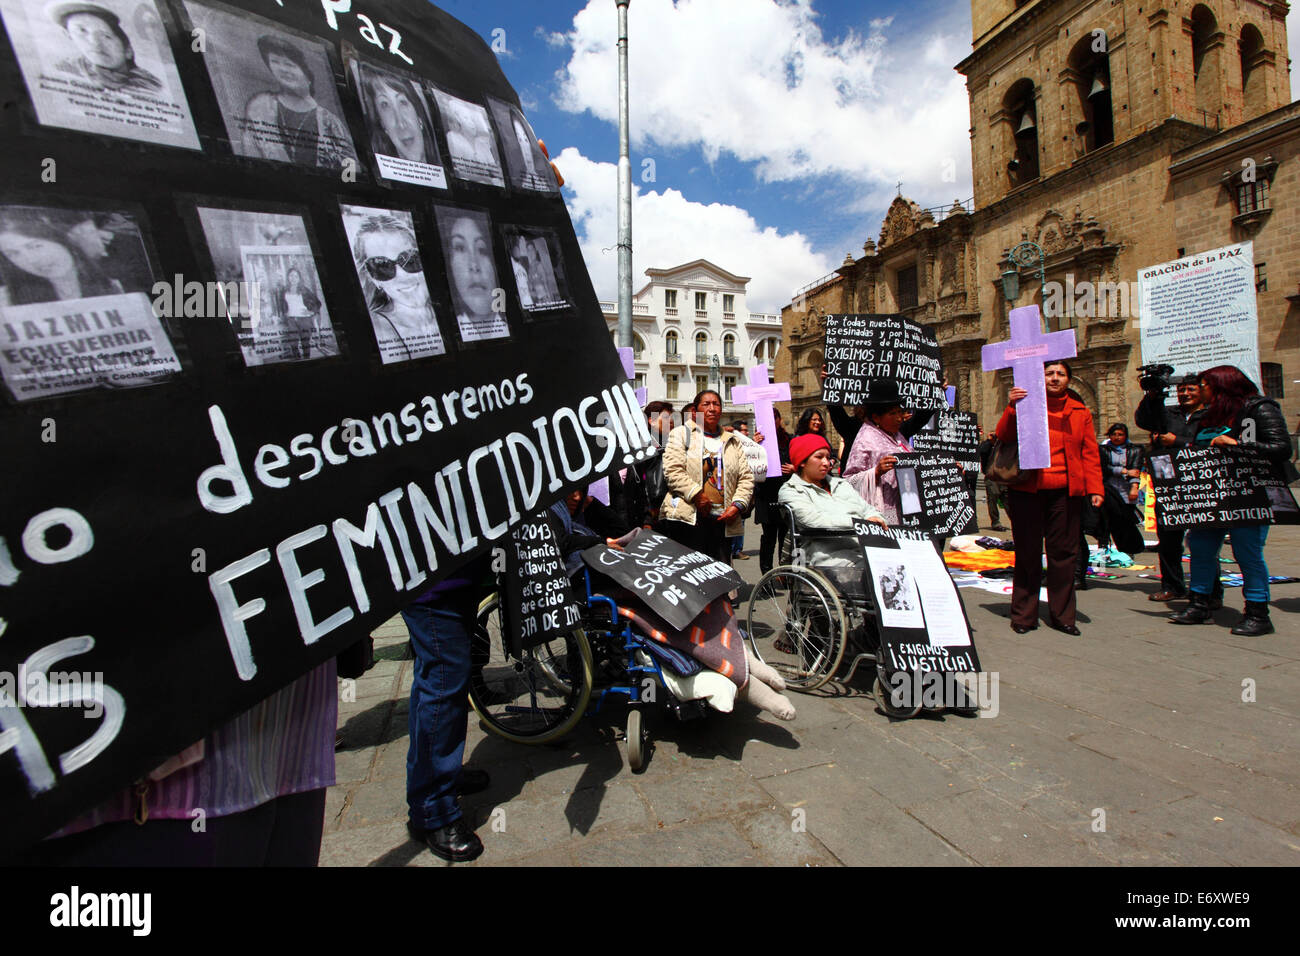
[
  {"x": 274, "y": 299},
  {"x": 402, "y": 134},
  {"x": 102, "y": 67},
  {"x": 248, "y": 195},
  {"x": 275, "y": 88},
  {"x": 75, "y": 310},
  {"x": 392, "y": 277}
]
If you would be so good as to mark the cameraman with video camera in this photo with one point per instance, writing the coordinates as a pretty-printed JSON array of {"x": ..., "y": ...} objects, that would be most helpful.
[{"x": 1170, "y": 428}]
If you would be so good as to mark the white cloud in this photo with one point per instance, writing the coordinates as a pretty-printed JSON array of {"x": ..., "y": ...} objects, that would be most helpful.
[
  {"x": 757, "y": 79},
  {"x": 668, "y": 229}
]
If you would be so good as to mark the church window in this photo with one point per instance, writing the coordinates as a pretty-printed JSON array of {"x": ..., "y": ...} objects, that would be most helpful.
[
  {"x": 1019, "y": 107},
  {"x": 1253, "y": 55},
  {"x": 907, "y": 288},
  {"x": 1206, "y": 44},
  {"x": 1271, "y": 372},
  {"x": 1091, "y": 72}
]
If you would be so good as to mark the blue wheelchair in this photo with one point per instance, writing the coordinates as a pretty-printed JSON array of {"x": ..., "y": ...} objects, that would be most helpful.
[{"x": 540, "y": 695}]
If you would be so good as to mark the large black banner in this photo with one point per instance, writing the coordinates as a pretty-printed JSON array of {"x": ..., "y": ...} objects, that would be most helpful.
[
  {"x": 1219, "y": 487},
  {"x": 861, "y": 349},
  {"x": 293, "y": 322}
]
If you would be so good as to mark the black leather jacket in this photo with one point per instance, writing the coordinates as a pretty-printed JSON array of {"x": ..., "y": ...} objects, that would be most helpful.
[{"x": 1271, "y": 438}]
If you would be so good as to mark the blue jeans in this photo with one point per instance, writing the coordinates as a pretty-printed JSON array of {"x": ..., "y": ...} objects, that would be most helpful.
[
  {"x": 1248, "y": 550},
  {"x": 440, "y": 642}
]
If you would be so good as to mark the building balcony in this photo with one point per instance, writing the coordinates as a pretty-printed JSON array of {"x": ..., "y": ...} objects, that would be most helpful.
[
  {"x": 701, "y": 313},
  {"x": 668, "y": 311}
]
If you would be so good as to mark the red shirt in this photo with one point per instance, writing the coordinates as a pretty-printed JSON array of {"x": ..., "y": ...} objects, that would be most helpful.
[{"x": 1074, "y": 438}]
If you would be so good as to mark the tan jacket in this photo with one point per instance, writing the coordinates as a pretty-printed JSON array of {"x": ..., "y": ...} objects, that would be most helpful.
[{"x": 683, "y": 471}]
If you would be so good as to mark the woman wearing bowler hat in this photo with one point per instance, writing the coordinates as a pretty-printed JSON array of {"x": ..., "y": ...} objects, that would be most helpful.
[{"x": 870, "y": 466}]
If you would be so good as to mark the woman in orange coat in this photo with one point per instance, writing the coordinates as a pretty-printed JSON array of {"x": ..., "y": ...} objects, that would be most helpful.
[{"x": 1046, "y": 506}]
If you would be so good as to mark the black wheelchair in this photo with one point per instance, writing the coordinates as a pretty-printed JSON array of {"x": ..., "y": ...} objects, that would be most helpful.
[
  {"x": 804, "y": 618},
  {"x": 540, "y": 695}
]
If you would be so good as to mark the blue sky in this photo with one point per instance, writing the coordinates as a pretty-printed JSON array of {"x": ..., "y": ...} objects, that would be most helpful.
[{"x": 768, "y": 135}]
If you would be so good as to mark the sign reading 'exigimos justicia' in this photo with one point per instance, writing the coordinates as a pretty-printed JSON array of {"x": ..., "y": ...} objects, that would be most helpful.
[{"x": 293, "y": 322}]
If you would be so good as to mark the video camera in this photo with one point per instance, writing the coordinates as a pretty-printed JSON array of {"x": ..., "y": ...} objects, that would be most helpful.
[{"x": 1155, "y": 378}]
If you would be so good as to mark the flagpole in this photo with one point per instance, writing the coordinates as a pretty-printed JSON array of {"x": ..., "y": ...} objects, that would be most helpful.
[{"x": 624, "y": 189}]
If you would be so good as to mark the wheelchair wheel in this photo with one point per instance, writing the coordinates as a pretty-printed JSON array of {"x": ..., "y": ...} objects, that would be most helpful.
[
  {"x": 636, "y": 739},
  {"x": 797, "y": 625},
  {"x": 886, "y": 702},
  {"x": 535, "y": 698}
]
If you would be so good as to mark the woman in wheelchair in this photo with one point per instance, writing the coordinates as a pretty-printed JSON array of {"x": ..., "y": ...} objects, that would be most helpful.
[
  {"x": 820, "y": 501},
  {"x": 713, "y": 639}
]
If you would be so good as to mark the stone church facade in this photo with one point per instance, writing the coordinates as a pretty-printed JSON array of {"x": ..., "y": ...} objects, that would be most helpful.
[{"x": 1114, "y": 136}]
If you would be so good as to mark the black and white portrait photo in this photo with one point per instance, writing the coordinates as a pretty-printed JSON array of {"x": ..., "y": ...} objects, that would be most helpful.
[
  {"x": 536, "y": 263},
  {"x": 909, "y": 490},
  {"x": 392, "y": 278},
  {"x": 75, "y": 309},
  {"x": 397, "y": 114},
  {"x": 527, "y": 164},
  {"x": 278, "y": 311},
  {"x": 276, "y": 90},
  {"x": 1162, "y": 467},
  {"x": 102, "y": 67},
  {"x": 476, "y": 292},
  {"x": 894, "y": 588},
  {"x": 470, "y": 142}
]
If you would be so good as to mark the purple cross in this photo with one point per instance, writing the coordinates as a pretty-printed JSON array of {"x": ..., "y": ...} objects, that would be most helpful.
[
  {"x": 1025, "y": 353},
  {"x": 600, "y": 489},
  {"x": 761, "y": 395}
]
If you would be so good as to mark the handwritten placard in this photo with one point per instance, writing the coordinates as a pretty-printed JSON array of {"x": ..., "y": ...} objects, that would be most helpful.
[
  {"x": 865, "y": 348},
  {"x": 933, "y": 497},
  {"x": 672, "y": 580}
]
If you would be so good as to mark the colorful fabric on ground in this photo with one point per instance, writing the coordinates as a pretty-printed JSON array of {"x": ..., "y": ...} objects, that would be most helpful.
[
  {"x": 981, "y": 560},
  {"x": 713, "y": 638}
]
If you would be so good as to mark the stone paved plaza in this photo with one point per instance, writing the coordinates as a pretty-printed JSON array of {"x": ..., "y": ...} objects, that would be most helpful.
[{"x": 1129, "y": 745}]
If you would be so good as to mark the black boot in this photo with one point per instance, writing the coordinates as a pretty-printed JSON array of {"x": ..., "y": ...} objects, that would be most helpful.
[
  {"x": 1198, "y": 611},
  {"x": 1256, "y": 622}
]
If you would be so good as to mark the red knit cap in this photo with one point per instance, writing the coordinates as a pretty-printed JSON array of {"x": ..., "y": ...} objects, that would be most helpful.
[{"x": 803, "y": 448}]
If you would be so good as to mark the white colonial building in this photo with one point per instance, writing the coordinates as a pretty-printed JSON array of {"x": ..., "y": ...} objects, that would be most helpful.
[{"x": 684, "y": 319}]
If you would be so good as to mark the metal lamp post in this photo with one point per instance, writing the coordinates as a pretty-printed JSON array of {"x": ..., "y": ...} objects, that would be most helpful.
[
  {"x": 1022, "y": 256},
  {"x": 624, "y": 188}
]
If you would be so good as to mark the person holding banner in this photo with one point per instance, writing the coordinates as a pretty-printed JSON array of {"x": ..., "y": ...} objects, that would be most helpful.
[
  {"x": 1170, "y": 428},
  {"x": 1046, "y": 507},
  {"x": 710, "y": 482},
  {"x": 870, "y": 466},
  {"x": 1234, "y": 413}
]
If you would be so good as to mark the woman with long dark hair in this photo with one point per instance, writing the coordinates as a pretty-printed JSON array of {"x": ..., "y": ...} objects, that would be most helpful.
[
  {"x": 811, "y": 422},
  {"x": 1234, "y": 413},
  {"x": 399, "y": 124},
  {"x": 39, "y": 263}
]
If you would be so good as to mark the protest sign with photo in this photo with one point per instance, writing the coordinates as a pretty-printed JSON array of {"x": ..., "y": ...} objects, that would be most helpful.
[
  {"x": 923, "y": 625},
  {"x": 934, "y": 495},
  {"x": 286, "y": 482},
  {"x": 1220, "y": 487},
  {"x": 953, "y": 434},
  {"x": 403, "y": 139},
  {"x": 673, "y": 581},
  {"x": 864, "y": 348}
]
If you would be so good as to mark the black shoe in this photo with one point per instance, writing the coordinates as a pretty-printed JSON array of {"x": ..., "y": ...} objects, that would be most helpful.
[
  {"x": 1255, "y": 623},
  {"x": 1066, "y": 629},
  {"x": 473, "y": 781},
  {"x": 1081, "y": 584},
  {"x": 1215, "y": 602},
  {"x": 455, "y": 843},
  {"x": 1197, "y": 612},
  {"x": 998, "y": 527},
  {"x": 1022, "y": 628}
]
